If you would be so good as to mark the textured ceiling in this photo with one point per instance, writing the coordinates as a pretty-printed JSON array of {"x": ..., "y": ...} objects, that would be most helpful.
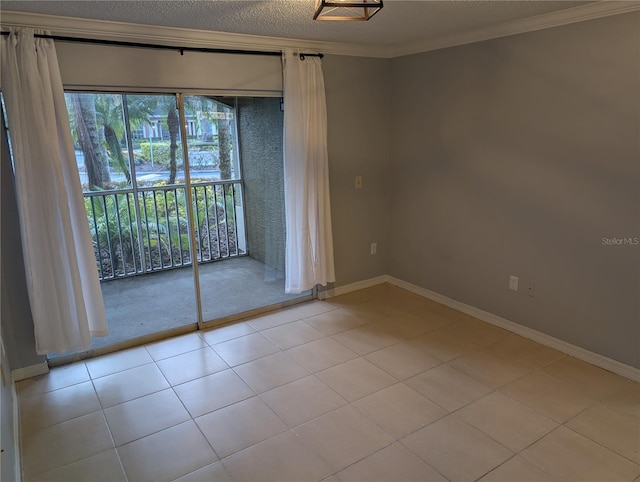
[{"x": 400, "y": 23}]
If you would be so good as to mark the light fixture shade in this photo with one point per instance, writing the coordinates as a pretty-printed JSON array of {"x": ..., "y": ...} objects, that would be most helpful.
[{"x": 346, "y": 9}]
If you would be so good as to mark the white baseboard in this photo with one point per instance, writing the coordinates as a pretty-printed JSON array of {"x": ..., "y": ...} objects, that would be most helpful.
[
  {"x": 601, "y": 361},
  {"x": 358, "y": 285},
  {"x": 30, "y": 371},
  {"x": 596, "y": 359}
]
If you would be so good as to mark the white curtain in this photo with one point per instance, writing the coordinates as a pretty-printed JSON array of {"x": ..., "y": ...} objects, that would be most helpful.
[
  {"x": 309, "y": 240},
  {"x": 61, "y": 272}
]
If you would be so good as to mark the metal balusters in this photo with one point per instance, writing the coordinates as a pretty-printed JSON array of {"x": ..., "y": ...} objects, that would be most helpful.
[
  {"x": 215, "y": 201},
  {"x": 225, "y": 188},
  {"x": 166, "y": 215},
  {"x": 199, "y": 247},
  {"x": 97, "y": 237},
  {"x": 105, "y": 213},
  {"x": 177, "y": 203},
  {"x": 235, "y": 219},
  {"x": 120, "y": 246},
  {"x": 146, "y": 223},
  {"x": 205, "y": 190},
  {"x": 115, "y": 232},
  {"x": 134, "y": 257}
]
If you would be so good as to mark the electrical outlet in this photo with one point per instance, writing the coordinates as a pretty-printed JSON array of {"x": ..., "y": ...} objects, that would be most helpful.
[
  {"x": 513, "y": 283},
  {"x": 374, "y": 248},
  {"x": 531, "y": 288},
  {"x": 358, "y": 182}
]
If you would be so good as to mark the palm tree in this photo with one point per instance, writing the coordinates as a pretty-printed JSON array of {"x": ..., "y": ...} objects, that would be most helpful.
[
  {"x": 109, "y": 111},
  {"x": 224, "y": 144},
  {"x": 211, "y": 110},
  {"x": 86, "y": 129},
  {"x": 162, "y": 104},
  {"x": 173, "y": 123},
  {"x": 109, "y": 114}
]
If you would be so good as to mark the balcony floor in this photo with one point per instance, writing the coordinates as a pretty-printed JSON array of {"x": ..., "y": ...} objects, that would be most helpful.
[{"x": 156, "y": 302}]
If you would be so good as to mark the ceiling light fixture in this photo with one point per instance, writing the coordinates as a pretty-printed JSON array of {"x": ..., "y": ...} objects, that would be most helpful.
[{"x": 346, "y": 9}]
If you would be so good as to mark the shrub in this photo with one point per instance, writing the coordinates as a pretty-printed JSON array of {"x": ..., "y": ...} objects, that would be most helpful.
[{"x": 161, "y": 153}]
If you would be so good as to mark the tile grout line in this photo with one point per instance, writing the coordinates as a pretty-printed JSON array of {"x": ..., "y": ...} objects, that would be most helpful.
[{"x": 594, "y": 400}]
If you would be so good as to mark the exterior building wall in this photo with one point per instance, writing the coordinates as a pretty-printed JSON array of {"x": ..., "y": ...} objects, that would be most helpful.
[{"x": 260, "y": 123}]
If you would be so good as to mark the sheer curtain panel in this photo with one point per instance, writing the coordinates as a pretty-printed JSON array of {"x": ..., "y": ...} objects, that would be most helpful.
[
  {"x": 61, "y": 272},
  {"x": 309, "y": 240}
]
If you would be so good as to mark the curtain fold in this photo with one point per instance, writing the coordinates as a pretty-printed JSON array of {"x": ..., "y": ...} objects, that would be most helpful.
[
  {"x": 309, "y": 239},
  {"x": 62, "y": 277}
]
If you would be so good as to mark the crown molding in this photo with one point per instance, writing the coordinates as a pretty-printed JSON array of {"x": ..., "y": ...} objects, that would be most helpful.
[
  {"x": 130, "y": 32},
  {"x": 582, "y": 13},
  {"x": 109, "y": 30}
]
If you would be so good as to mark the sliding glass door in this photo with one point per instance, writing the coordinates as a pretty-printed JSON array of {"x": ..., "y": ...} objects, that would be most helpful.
[{"x": 172, "y": 179}]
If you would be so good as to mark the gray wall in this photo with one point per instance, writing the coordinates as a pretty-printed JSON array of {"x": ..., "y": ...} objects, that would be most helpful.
[
  {"x": 15, "y": 313},
  {"x": 512, "y": 156},
  {"x": 517, "y": 156},
  {"x": 358, "y": 120},
  {"x": 260, "y": 124}
]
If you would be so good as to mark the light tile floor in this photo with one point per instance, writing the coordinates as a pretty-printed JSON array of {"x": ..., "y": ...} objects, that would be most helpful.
[{"x": 379, "y": 384}]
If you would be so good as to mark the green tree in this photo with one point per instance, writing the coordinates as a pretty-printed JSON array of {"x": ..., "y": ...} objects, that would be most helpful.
[
  {"x": 109, "y": 112},
  {"x": 173, "y": 123},
  {"x": 86, "y": 130},
  {"x": 224, "y": 143},
  {"x": 211, "y": 110},
  {"x": 162, "y": 104}
]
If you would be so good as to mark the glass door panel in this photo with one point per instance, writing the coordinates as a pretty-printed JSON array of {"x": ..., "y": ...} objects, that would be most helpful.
[
  {"x": 135, "y": 199},
  {"x": 237, "y": 184}
]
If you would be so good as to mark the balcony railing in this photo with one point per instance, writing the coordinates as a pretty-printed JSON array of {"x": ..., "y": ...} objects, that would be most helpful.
[{"x": 147, "y": 230}]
